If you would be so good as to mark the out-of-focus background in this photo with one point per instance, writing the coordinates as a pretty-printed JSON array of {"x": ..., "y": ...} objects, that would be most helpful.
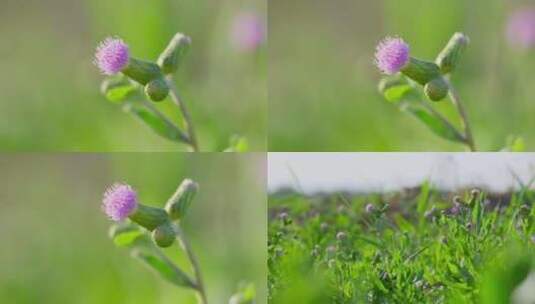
[
  {"x": 49, "y": 88},
  {"x": 55, "y": 244},
  {"x": 323, "y": 84}
]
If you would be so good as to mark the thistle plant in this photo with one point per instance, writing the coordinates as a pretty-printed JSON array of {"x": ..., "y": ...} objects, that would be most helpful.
[
  {"x": 138, "y": 84},
  {"x": 145, "y": 230},
  {"x": 407, "y": 77}
]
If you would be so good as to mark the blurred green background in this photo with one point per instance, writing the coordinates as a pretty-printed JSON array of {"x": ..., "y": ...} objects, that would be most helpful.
[
  {"x": 49, "y": 88},
  {"x": 55, "y": 245},
  {"x": 323, "y": 83}
]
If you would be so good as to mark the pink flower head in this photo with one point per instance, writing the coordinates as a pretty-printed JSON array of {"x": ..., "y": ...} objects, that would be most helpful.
[
  {"x": 247, "y": 32},
  {"x": 112, "y": 56},
  {"x": 391, "y": 55},
  {"x": 120, "y": 200},
  {"x": 521, "y": 28}
]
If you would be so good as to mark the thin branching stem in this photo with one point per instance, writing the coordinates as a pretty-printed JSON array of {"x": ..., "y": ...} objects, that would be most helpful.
[
  {"x": 175, "y": 97},
  {"x": 194, "y": 264},
  {"x": 456, "y": 100}
]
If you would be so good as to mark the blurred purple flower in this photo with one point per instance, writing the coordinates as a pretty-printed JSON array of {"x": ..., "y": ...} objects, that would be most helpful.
[
  {"x": 120, "y": 200},
  {"x": 247, "y": 32},
  {"x": 370, "y": 208},
  {"x": 391, "y": 55},
  {"x": 521, "y": 28},
  {"x": 112, "y": 56}
]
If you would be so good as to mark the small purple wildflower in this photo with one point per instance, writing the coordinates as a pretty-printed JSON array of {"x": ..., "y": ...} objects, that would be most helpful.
[
  {"x": 521, "y": 28},
  {"x": 370, "y": 208},
  {"x": 120, "y": 200},
  {"x": 247, "y": 32},
  {"x": 112, "y": 56},
  {"x": 391, "y": 55}
]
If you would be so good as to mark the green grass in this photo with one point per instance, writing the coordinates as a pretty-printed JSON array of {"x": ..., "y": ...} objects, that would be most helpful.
[{"x": 399, "y": 255}]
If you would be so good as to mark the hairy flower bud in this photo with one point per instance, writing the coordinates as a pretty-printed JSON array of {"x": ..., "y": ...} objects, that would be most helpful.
[
  {"x": 178, "y": 204},
  {"x": 157, "y": 89},
  {"x": 142, "y": 71},
  {"x": 436, "y": 89},
  {"x": 164, "y": 235},
  {"x": 449, "y": 58},
  {"x": 173, "y": 54}
]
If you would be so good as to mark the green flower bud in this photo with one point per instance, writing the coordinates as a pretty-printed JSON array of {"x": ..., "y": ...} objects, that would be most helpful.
[
  {"x": 436, "y": 89},
  {"x": 421, "y": 71},
  {"x": 157, "y": 89},
  {"x": 178, "y": 204},
  {"x": 164, "y": 235},
  {"x": 172, "y": 56},
  {"x": 448, "y": 59},
  {"x": 149, "y": 217},
  {"x": 142, "y": 71}
]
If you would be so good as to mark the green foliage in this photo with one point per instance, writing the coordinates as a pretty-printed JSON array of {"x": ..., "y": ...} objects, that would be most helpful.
[
  {"x": 165, "y": 268},
  {"x": 156, "y": 122},
  {"x": 401, "y": 252}
]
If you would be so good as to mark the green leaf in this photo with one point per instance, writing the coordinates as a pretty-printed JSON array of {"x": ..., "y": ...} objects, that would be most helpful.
[
  {"x": 435, "y": 124},
  {"x": 164, "y": 268},
  {"x": 117, "y": 89},
  {"x": 515, "y": 144},
  {"x": 126, "y": 234},
  {"x": 397, "y": 93},
  {"x": 157, "y": 123},
  {"x": 423, "y": 199},
  {"x": 395, "y": 88},
  {"x": 238, "y": 144}
]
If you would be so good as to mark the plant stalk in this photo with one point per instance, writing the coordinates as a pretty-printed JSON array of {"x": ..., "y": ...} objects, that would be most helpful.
[
  {"x": 173, "y": 92},
  {"x": 201, "y": 293},
  {"x": 455, "y": 99}
]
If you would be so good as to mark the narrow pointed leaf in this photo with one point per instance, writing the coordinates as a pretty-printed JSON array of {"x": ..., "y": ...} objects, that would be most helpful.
[
  {"x": 164, "y": 268},
  {"x": 157, "y": 123},
  {"x": 435, "y": 124}
]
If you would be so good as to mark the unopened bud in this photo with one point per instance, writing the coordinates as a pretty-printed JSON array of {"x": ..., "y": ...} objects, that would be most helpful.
[
  {"x": 436, "y": 89},
  {"x": 450, "y": 56},
  {"x": 157, "y": 89},
  {"x": 173, "y": 54},
  {"x": 178, "y": 205},
  {"x": 164, "y": 235}
]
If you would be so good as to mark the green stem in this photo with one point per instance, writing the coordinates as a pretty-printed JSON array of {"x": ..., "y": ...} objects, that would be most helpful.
[
  {"x": 173, "y": 92},
  {"x": 194, "y": 264},
  {"x": 455, "y": 99}
]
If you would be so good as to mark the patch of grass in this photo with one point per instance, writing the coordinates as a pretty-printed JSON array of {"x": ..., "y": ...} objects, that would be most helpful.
[{"x": 384, "y": 248}]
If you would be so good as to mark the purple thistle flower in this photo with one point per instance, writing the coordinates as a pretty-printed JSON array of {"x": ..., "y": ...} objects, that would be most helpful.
[
  {"x": 120, "y": 200},
  {"x": 521, "y": 28},
  {"x": 247, "y": 32},
  {"x": 112, "y": 56},
  {"x": 391, "y": 55}
]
